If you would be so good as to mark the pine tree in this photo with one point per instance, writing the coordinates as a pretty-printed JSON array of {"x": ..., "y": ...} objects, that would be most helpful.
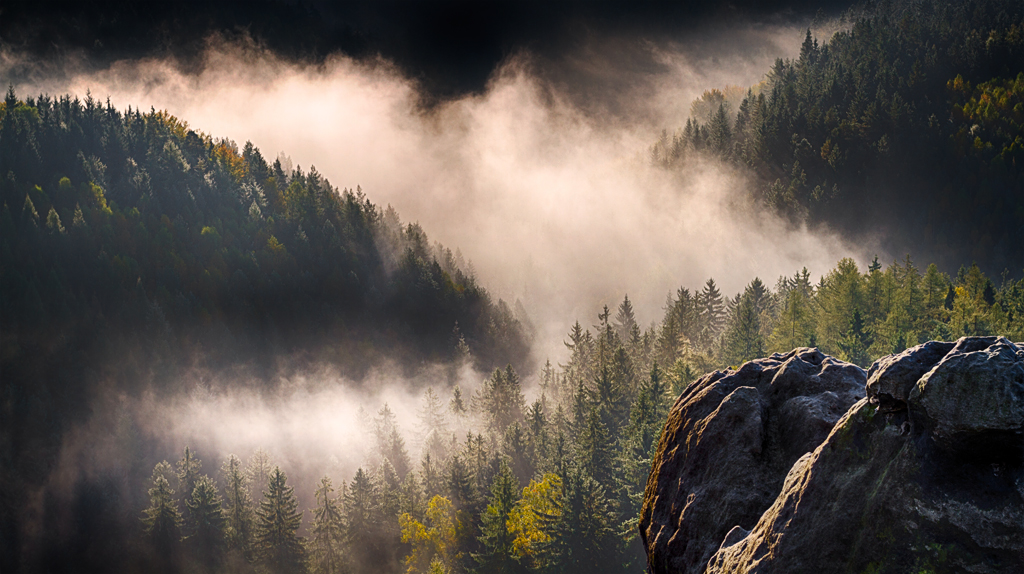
[
  {"x": 538, "y": 434},
  {"x": 188, "y": 473},
  {"x": 277, "y": 544},
  {"x": 389, "y": 441},
  {"x": 257, "y": 473},
  {"x": 594, "y": 447},
  {"x": 744, "y": 338},
  {"x": 327, "y": 542},
  {"x": 496, "y": 554},
  {"x": 502, "y": 401},
  {"x": 459, "y": 484},
  {"x": 433, "y": 423},
  {"x": 205, "y": 523},
  {"x": 840, "y": 293},
  {"x": 720, "y": 133},
  {"x": 852, "y": 346},
  {"x": 580, "y": 537},
  {"x": 795, "y": 327},
  {"x": 625, "y": 319},
  {"x": 711, "y": 314},
  {"x": 238, "y": 508},
  {"x": 431, "y": 476},
  {"x": 516, "y": 448},
  {"x": 359, "y": 524},
  {"x": 457, "y": 406},
  {"x": 162, "y": 518}
]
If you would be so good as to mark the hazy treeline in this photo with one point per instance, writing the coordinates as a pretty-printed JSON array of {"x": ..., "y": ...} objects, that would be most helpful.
[
  {"x": 494, "y": 484},
  {"x": 885, "y": 126},
  {"x": 499, "y": 484},
  {"x": 134, "y": 249}
]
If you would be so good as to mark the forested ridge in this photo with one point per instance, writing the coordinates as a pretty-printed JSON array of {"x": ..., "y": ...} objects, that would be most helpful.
[
  {"x": 498, "y": 483},
  {"x": 493, "y": 481},
  {"x": 906, "y": 125},
  {"x": 134, "y": 250}
]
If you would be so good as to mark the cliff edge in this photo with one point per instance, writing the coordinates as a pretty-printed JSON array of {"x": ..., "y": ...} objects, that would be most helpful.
[{"x": 803, "y": 463}]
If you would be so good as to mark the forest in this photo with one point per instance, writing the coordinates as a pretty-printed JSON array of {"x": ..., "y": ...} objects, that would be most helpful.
[
  {"x": 900, "y": 111},
  {"x": 135, "y": 250},
  {"x": 501, "y": 484}
]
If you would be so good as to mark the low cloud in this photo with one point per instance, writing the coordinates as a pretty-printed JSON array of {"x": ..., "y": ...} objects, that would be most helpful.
[{"x": 541, "y": 180}]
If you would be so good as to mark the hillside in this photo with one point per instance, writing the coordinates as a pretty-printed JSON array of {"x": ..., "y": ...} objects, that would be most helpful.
[
  {"x": 910, "y": 118},
  {"x": 135, "y": 252}
]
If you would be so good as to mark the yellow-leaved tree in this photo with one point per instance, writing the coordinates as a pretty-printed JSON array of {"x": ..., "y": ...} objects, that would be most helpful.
[
  {"x": 435, "y": 542},
  {"x": 524, "y": 522}
]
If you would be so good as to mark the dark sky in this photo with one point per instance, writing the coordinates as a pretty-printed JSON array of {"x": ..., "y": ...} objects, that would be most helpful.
[{"x": 449, "y": 46}]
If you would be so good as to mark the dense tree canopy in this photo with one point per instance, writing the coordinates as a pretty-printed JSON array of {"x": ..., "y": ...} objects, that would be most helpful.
[{"x": 905, "y": 125}]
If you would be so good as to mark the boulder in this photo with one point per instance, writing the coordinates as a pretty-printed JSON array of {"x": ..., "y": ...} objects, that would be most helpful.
[
  {"x": 972, "y": 401},
  {"x": 891, "y": 378},
  {"x": 921, "y": 476},
  {"x": 728, "y": 443}
]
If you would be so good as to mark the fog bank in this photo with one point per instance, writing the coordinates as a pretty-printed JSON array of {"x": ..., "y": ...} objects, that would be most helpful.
[{"x": 541, "y": 180}]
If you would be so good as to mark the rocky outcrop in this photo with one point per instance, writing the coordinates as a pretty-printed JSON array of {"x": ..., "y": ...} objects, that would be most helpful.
[
  {"x": 728, "y": 443},
  {"x": 924, "y": 474}
]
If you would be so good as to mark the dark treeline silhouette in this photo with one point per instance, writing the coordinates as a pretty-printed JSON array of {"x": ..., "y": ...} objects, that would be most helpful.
[
  {"x": 906, "y": 124},
  {"x": 134, "y": 250}
]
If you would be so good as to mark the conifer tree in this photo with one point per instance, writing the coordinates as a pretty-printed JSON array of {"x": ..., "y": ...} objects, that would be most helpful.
[
  {"x": 516, "y": 448},
  {"x": 433, "y": 423},
  {"x": 162, "y": 518},
  {"x": 359, "y": 514},
  {"x": 238, "y": 508},
  {"x": 580, "y": 537},
  {"x": 205, "y": 537},
  {"x": 744, "y": 337},
  {"x": 389, "y": 441},
  {"x": 457, "y": 406},
  {"x": 496, "y": 555},
  {"x": 711, "y": 313},
  {"x": 277, "y": 544},
  {"x": 795, "y": 327},
  {"x": 430, "y": 475},
  {"x": 257, "y": 473},
  {"x": 188, "y": 473},
  {"x": 625, "y": 319},
  {"x": 327, "y": 542},
  {"x": 538, "y": 434},
  {"x": 459, "y": 484},
  {"x": 502, "y": 401},
  {"x": 594, "y": 447}
]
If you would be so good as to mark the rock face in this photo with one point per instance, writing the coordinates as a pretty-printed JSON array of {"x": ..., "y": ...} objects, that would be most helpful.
[
  {"x": 924, "y": 474},
  {"x": 728, "y": 443}
]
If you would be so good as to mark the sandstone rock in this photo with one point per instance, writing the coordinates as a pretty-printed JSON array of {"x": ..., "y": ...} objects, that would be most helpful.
[
  {"x": 728, "y": 442},
  {"x": 972, "y": 401},
  {"x": 891, "y": 378},
  {"x": 935, "y": 485}
]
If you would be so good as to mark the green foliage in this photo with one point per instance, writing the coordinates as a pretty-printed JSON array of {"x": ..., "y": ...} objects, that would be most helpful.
[
  {"x": 162, "y": 518},
  {"x": 238, "y": 508},
  {"x": 205, "y": 524},
  {"x": 170, "y": 222},
  {"x": 915, "y": 104},
  {"x": 277, "y": 544},
  {"x": 579, "y": 532},
  {"x": 326, "y": 544},
  {"x": 558, "y": 486},
  {"x": 496, "y": 537},
  {"x": 501, "y": 400}
]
